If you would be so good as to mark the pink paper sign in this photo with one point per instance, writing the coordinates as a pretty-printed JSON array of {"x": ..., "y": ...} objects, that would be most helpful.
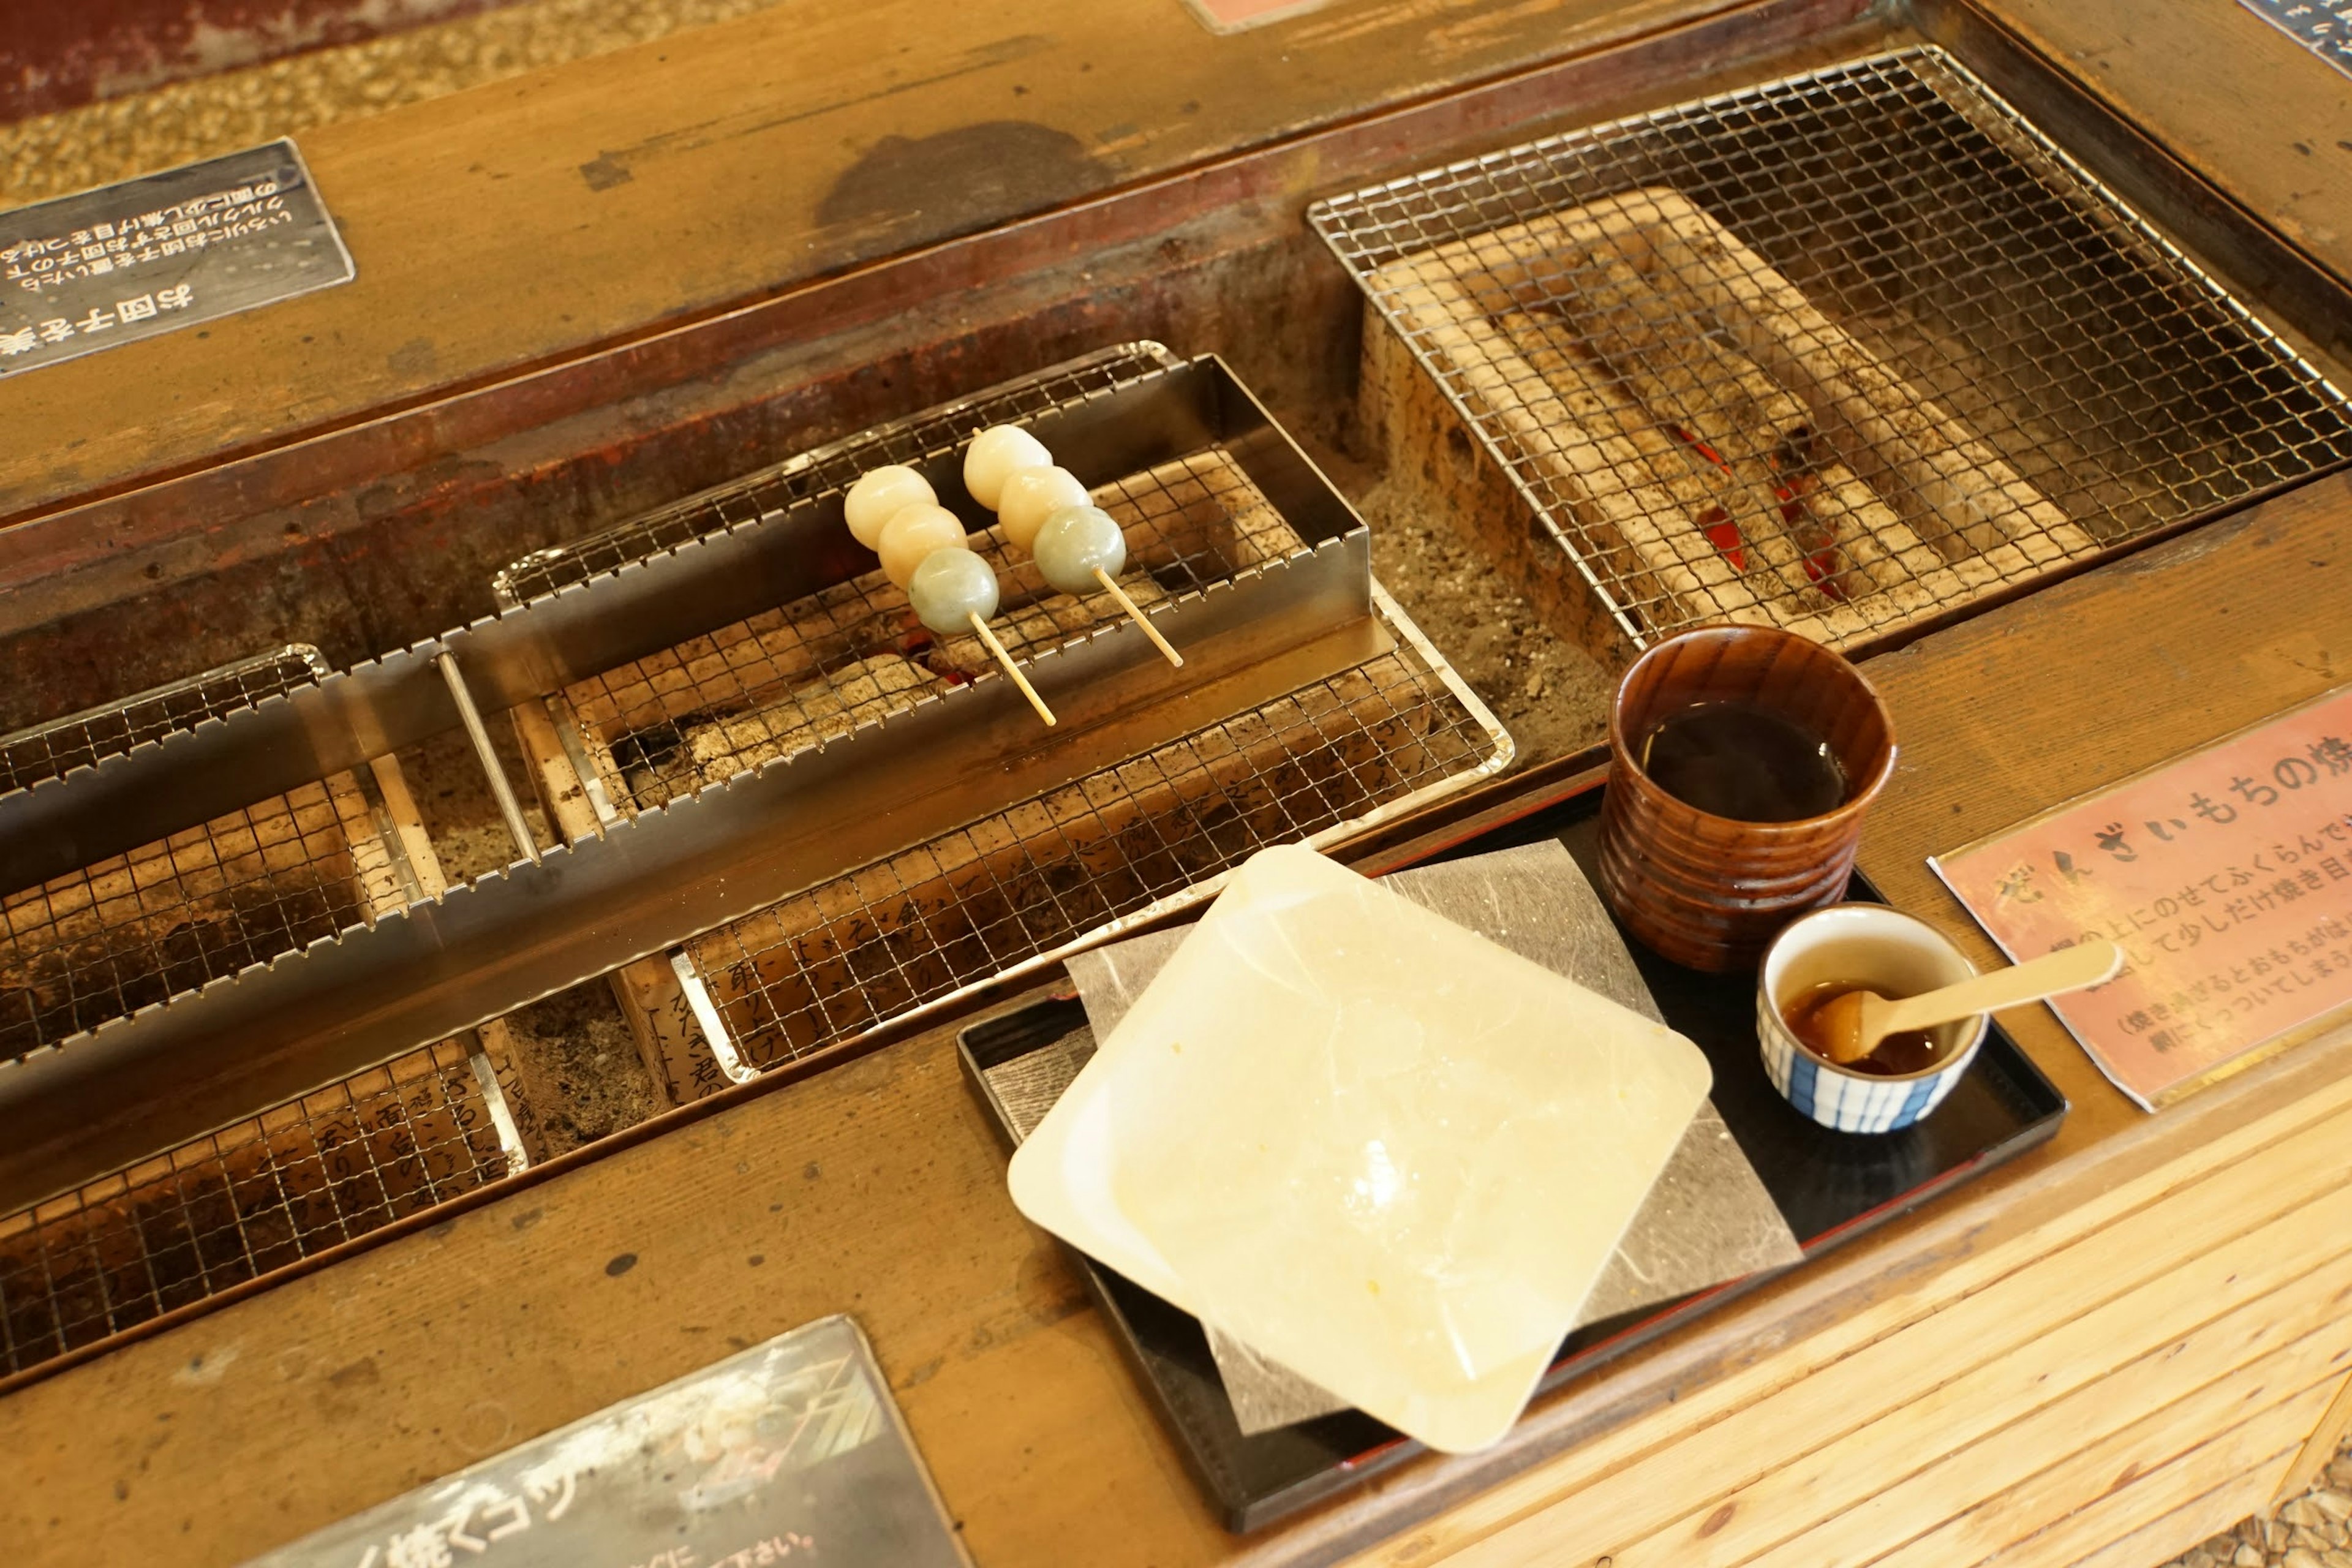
[{"x": 2225, "y": 877}]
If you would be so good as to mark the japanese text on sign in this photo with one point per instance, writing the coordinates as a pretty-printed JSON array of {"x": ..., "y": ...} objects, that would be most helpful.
[
  {"x": 147, "y": 256},
  {"x": 131, "y": 240},
  {"x": 2226, "y": 878}
]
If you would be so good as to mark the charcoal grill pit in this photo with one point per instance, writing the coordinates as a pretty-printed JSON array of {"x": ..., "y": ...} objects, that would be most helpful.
[
  {"x": 1846, "y": 353},
  {"x": 139, "y": 929},
  {"x": 928, "y": 921},
  {"x": 822, "y": 800}
]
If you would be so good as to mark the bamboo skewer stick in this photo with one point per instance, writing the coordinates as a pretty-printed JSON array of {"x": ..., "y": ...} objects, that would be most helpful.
[
  {"x": 1136, "y": 615},
  {"x": 1005, "y": 660}
]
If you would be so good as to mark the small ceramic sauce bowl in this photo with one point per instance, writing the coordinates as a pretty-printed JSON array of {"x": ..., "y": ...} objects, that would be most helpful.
[{"x": 1880, "y": 950}]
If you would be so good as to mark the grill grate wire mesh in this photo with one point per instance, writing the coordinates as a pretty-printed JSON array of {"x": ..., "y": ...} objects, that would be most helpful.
[
  {"x": 833, "y": 467},
  {"x": 2017, "y": 368},
  {"x": 105, "y": 939},
  {"x": 137, "y": 929},
  {"x": 800, "y": 674},
  {"x": 297, "y": 1178},
  {"x": 243, "y": 1203},
  {"x": 1047, "y": 874},
  {"x": 51, "y": 750}
]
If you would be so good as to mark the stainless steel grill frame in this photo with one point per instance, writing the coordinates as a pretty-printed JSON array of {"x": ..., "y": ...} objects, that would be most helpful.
[
  {"x": 57, "y": 747},
  {"x": 1036, "y": 880},
  {"x": 1994, "y": 276},
  {"x": 834, "y": 465},
  {"x": 207, "y": 903},
  {"x": 284, "y": 1184},
  {"x": 852, "y": 655},
  {"x": 634, "y": 890},
  {"x": 1030, "y": 885}
]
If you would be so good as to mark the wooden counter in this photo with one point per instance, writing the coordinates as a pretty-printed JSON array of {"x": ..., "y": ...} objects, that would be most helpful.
[
  {"x": 524, "y": 221},
  {"x": 505, "y": 229},
  {"x": 2120, "y": 1344},
  {"x": 2115, "y": 1347}
]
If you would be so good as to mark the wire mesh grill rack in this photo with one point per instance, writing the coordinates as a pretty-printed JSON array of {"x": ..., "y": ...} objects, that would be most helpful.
[
  {"x": 820, "y": 667},
  {"x": 1039, "y": 877},
  {"x": 833, "y": 467},
  {"x": 804, "y": 672},
  {"x": 1037, "y": 881},
  {"x": 228, "y": 1209},
  {"x": 1839, "y": 351},
  {"x": 136, "y": 929},
  {"x": 81, "y": 740},
  {"x": 139, "y": 928}
]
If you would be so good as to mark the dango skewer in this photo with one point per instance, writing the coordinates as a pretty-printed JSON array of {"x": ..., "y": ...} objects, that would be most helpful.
[
  {"x": 1077, "y": 548},
  {"x": 924, "y": 551},
  {"x": 1032, "y": 491}
]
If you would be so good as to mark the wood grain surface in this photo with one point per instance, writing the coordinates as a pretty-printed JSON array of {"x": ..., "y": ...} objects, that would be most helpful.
[
  {"x": 545, "y": 217},
  {"x": 877, "y": 1189},
  {"x": 2250, "y": 109},
  {"x": 2319, "y": 1449},
  {"x": 533, "y": 220}
]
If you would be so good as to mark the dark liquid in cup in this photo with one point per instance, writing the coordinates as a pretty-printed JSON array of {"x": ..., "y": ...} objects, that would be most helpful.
[
  {"x": 1736, "y": 760},
  {"x": 1906, "y": 1051}
]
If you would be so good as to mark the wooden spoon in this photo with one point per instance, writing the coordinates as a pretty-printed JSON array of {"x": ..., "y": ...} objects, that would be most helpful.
[{"x": 1854, "y": 1023}]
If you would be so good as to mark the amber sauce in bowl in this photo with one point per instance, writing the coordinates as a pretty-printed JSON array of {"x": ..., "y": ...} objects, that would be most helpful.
[
  {"x": 1741, "y": 760},
  {"x": 1898, "y": 1056}
]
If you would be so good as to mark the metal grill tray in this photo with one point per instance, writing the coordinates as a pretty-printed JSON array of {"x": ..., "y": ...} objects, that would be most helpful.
[
  {"x": 286, "y": 1183},
  {"x": 1844, "y": 352},
  {"x": 1082, "y": 863},
  {"x": 1831, "y": 1186},
  {"x": 826, "y": 799},
  {"x": 239, "y": 1204},
  {"x": 924, "y": 925},
  {"x": 55, "y": 748}
]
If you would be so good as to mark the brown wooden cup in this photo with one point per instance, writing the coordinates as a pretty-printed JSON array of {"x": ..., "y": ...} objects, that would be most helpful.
[{"x": 1711, "y": 891}]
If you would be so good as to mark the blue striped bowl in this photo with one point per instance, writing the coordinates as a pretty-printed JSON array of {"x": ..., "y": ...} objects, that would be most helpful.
[{"x": 1893, "y": 954}]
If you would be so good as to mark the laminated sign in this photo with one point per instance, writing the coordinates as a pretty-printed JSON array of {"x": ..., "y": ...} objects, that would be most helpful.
[
  {"x": 161, "y": 252},
  {"x": 2225, "y": 877},
  {"x": 791, "y": 1453}
]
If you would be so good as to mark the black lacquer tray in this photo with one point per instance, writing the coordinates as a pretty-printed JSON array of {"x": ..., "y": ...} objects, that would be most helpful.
[{"x": 1832, "y": 1187}]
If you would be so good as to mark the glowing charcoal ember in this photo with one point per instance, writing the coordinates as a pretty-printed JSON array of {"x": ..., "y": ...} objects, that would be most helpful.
[
  {"x": 1031, "y": 495},
  {"x": 879, "y": 495},
  {"x": 950, "y": 589},
  {"x": 914, "y": 532},
  {"x": 994, "y": 456},
  {"x": 1076, "y": 542}
]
